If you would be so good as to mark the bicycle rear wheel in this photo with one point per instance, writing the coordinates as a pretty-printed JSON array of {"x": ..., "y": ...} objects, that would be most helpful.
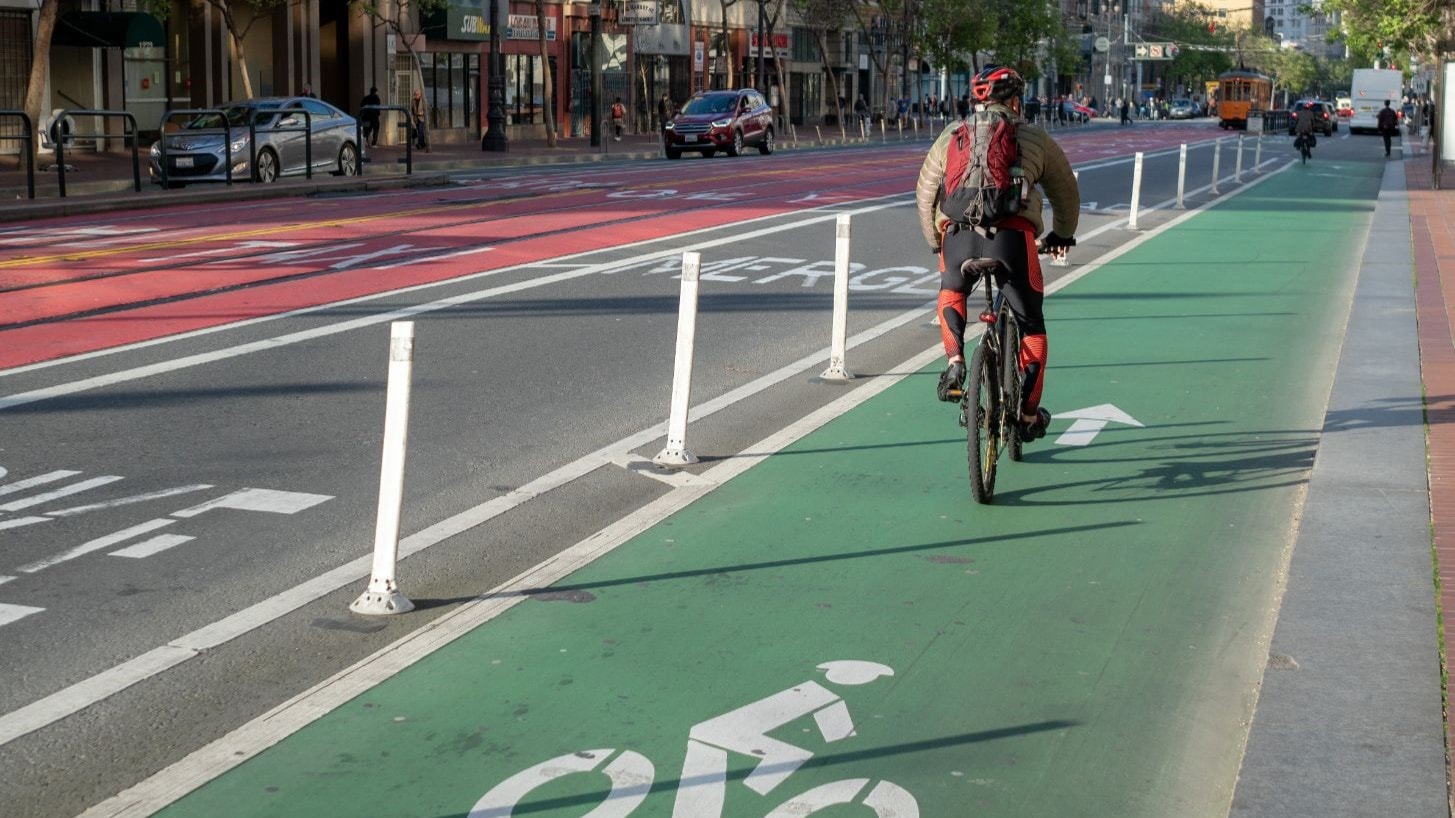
[
  {"x": 1010, "y": 382},
  {"x": 982, "y": 407}
]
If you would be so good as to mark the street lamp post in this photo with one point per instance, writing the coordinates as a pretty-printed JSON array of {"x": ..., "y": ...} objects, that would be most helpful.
[{"x": 494, "y": 139}]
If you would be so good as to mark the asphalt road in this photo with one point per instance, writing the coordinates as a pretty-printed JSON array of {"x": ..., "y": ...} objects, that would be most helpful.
[{"x": 190, "y": 458}]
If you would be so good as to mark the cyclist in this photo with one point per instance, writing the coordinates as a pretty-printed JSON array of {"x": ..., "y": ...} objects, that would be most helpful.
[
  {"x": 1304, "y": 129},
  {"x": 1014, "y": 244}
]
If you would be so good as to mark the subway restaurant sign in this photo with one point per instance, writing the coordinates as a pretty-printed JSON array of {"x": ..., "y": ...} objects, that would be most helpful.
[
  {"x": 463, "y": 22},
  {"x": 523, "y": 27}
]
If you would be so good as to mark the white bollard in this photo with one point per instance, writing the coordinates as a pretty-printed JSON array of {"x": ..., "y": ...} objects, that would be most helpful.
[
  {"x": 882, "y": 136},
  {"x": 1181, "y": 175},
  {"x": 1258, "y": 154},
  {"x": 899, "y": 123},
  {"x": 837, "y": 371},
  {"x": 819, "y": 131},
  {"x": 1238, "y": 167},
  {"x": 676, "y": 453},
  {"x": 1136, "y": 190},
  {"x": 863, "y": 132},
  {"x": 1217, "y": 155},
  {"x": 915, "y": 122},
  {"x": 383, "y": 595}
]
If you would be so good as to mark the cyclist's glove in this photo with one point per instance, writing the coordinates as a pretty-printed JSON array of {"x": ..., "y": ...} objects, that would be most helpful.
[{"x": 1055, "y": 242}]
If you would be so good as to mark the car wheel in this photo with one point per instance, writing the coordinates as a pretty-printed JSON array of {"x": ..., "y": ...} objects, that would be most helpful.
[
  {"x": 673, "y": 153},
  {"x": 267, "y": 169},
  {"x": 736, "y": 148},
  {"x": 766, "y": 147},
  {"x": 348, "y": 161}
]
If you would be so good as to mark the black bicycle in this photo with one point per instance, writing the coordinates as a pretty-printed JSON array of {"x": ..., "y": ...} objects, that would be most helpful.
[{"x": 990, "y": 406}]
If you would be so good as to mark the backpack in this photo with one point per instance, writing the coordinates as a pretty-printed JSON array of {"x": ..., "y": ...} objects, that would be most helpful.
[
  {"x": 618, "y": 110},
  {"x": 983, "y": 182}
]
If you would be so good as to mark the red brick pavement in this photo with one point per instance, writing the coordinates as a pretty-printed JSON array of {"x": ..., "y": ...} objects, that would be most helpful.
[{"x": 1432, "y": 228}]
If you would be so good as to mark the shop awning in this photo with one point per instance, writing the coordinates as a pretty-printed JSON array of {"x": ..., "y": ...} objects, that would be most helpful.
[{"x": 108, "y": 29}]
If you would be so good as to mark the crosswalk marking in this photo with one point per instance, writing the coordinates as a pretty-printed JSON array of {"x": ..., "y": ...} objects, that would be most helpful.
[
  {"x": 64, "y": 491},
  {"x": 155, "y": 545},
  {"x": 40, "y": 479},
  {"x": 96, "y": 545},
  {"x": 10, "y": 613}
]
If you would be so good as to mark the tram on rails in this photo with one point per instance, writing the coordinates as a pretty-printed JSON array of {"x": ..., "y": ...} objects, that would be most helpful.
[{"x": 1239, "y": 92}]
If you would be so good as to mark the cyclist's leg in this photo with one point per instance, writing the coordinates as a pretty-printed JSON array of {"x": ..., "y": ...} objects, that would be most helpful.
[
  {"x": 955, "y": 248},
  {"x": 1024, "y": 290}
]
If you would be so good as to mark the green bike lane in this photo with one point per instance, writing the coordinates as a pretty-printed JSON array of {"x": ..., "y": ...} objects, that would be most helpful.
[{"x": 842, "y": 614}]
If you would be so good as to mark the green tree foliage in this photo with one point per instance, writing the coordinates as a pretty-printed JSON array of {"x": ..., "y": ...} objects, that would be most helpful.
[
  {"x": 1422, "y": 27},
  {"x": 1206, "y": 47}
]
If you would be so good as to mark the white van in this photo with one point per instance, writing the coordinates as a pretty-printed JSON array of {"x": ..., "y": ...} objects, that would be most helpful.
[{"x": 1372, "y": 86}]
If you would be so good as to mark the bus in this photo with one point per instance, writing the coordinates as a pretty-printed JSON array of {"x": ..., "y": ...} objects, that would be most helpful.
[
  {"x": 1239, "y": 92},
  {"x": 1372, "y": 86}
]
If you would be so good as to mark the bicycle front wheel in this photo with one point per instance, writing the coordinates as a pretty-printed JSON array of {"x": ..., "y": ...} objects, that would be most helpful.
[{"x": 983, "y": 410}]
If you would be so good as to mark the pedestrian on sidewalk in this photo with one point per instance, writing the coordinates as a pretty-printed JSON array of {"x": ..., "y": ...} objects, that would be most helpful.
[
  {"x": 618, "y": 118},
  {"x": 1388, "y": 125},
  {"x": 664, "y": 111},
  {"x": 308, "y": 90},
  {"x": 417, "y": 111},
  {"x": 370, "y": 118},
  {"x": 1126, "y": 112}
]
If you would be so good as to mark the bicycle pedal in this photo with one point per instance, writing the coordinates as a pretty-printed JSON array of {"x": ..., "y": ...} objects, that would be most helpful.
[{"x": 987, "y": 317}]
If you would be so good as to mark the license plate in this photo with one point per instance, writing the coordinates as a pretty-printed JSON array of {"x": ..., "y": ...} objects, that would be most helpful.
[
  {"x": 184, "y": 161},
  {"x": 702, "y": 137}
]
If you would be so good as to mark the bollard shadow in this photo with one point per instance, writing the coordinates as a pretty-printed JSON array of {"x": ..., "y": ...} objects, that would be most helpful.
[
  {"x": 144, "y": 399},
  {"x": 819, "y": 761},
  {"x": 993, "y": 539}
]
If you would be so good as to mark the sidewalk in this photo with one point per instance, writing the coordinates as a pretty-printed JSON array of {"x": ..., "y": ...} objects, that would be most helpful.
[{"x": 1092, "y": 644}]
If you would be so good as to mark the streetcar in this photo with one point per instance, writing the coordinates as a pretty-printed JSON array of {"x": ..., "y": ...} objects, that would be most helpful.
[{"x": 1239, "y": 92}]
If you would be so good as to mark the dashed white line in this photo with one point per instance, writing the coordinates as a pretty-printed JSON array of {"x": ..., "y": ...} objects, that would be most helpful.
[
  {"x": 155, "y": 545},
  {"x": 64, "y": 491},
  {"x": 96, "y": 545},
  {"x": 10, "y": 613}
]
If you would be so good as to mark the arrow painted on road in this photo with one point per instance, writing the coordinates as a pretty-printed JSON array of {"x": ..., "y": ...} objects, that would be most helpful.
[{"x": 1090, "y": 421}]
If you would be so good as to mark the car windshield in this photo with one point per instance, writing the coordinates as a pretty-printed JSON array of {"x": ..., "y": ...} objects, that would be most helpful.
[
  {"x": 716, "y": 104},
  {"x": 237, "y": 117}
]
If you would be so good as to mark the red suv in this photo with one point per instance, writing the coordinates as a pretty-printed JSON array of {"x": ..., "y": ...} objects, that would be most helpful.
[{"x": 721, "y": 120}]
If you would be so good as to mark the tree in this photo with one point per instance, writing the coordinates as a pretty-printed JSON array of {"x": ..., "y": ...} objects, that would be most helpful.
[
  {"x": 951, "y": 32},
  {"x": 823, "y": 18},
  {"x": 725, "y": 50},
  {"x": 237, "y": 29},
  {"x": 549, "y": 88},
  {"x": 394, "y": 16},
  {"x": 40, "y": 61},
  {"x": 1422, "y": 27}
]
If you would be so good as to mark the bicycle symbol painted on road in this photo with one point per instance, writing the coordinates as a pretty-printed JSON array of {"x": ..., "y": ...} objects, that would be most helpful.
[{"x": 703, "y": 790}]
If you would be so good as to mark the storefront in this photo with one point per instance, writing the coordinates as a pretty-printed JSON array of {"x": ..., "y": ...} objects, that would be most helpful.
[
  {"x": 661, "y": 49},
  {"x": 449, "y": 75}
]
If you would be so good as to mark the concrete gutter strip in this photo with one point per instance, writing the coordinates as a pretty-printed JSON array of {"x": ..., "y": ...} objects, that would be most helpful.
[{"x": 1349, "y": 720}]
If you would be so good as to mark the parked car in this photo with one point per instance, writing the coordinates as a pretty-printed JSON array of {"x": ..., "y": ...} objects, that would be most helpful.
[
  {"x": 729, "y": 121},
  {"x": 199, "y": 157},
  {"x": 1182, "y": 109},
  {"x": 1325, "y": 122}
]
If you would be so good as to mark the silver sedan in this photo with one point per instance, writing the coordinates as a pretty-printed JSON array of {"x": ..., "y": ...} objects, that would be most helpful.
[{"x": 195, "y": 150}]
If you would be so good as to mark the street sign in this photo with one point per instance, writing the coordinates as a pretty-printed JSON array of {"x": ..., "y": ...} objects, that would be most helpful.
[
  {"x": 1154, "y": 51},
  {"x": 1102, "y": 44}
]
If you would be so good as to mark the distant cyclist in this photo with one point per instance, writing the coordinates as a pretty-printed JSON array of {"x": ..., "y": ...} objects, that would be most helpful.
[
  {"x": 1041, "y": 162},
  {"x": 1304, "y": 130}
]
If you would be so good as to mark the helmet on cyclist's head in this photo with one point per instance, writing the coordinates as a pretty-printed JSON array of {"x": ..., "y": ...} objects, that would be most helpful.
[{"x": 996, "y": 84}]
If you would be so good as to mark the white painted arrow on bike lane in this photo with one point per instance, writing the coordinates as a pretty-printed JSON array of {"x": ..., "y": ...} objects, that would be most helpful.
[{"x": 1090, "y": 421}]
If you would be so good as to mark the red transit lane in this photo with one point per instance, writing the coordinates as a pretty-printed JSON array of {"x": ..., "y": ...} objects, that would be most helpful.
[{"x": 78, "y": 285}]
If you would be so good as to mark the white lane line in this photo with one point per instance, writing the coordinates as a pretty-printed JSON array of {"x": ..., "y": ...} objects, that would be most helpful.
[
  {"x": 95, "y": 545},
  {"x": 126, "y": 501},
  {"x": 405, "y": 313},
  {"x": 10, "y": 613},
  {"x": 269, "y": 500},
  {"x": 64, "y": 491},
  {"x": 4, "y": 580},
  {"x": 38, "y": 480},
  {"x": 430, "y": 258},
  {"x": 437, "y": 284},
  {"x": 22, "y": 521},
  {"x": 155, "y": 545}
]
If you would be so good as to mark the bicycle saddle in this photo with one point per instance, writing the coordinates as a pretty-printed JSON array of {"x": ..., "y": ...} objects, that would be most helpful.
[{"x": 980, "y": 266}]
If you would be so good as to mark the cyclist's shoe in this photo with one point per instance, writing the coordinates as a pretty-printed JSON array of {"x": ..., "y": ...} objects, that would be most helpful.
[
  {"x": 952, "y": 383},
  {"x": 1036, "y": 429}
]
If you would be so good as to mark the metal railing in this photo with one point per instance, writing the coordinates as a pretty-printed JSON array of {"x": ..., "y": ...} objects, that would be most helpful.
[
  {"x": 306, "y": 129},
  {"x": 408, "y": 134},
  {"x": 129, "y": 133},
  {"x": 27, "y": 146},
  {"x": 225, "y": 130}
]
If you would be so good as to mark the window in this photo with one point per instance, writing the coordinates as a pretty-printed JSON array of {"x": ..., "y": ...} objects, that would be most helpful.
[
  {"x": 805, "y": 48},
  {"x": 524, "y": 88}
]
